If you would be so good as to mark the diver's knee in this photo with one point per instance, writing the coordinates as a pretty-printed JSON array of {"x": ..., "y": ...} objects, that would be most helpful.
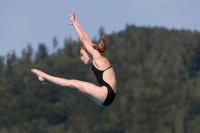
[{"x": 73, "y": 83}]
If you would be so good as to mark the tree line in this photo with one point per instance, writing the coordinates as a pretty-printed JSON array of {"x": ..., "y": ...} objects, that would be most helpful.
[{"x": 158, "y": 74}]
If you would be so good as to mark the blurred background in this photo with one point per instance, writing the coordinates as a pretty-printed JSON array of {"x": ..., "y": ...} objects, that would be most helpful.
[
  {"x": 154, "y": 47},
  {"x": 33, "y": 22}
]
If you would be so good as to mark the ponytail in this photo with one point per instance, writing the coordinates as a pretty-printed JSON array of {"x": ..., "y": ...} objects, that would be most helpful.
[{"x": 102, "y": 45}]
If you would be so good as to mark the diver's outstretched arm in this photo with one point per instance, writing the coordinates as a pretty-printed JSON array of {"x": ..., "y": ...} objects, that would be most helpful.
[
  {"x": 73, "y": 21},
  {"x": 83, "y": 36}
]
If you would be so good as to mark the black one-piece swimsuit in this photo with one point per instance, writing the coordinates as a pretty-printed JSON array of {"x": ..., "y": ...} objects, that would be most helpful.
[{"x": 99, "y": 75}]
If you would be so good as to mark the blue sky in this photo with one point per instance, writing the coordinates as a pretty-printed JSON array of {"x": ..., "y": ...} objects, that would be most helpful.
[{"x": 24, "y": 22}]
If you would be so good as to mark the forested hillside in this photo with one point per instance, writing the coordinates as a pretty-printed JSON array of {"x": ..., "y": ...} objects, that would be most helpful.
[{"x": 158, "y": 79}]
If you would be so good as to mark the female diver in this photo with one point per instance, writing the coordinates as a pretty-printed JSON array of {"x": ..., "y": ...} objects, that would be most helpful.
[{"x": 103, "y": 94}]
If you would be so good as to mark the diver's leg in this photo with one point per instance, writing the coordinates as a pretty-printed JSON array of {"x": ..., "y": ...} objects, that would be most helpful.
[{"x": 96, "y": 93}]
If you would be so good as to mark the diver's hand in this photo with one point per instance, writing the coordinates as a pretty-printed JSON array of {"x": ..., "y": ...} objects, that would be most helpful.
[{"x": 72, "y": 17}]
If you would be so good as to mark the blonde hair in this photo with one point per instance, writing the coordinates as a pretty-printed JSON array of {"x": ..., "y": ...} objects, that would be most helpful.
[{"x": 101, "y": 47}]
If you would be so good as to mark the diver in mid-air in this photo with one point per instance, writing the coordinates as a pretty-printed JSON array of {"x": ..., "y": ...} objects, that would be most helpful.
[{"x": 104, "y": 94}]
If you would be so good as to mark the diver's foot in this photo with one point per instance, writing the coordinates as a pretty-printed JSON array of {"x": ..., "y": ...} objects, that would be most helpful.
[{"x": 39, "y": 73}]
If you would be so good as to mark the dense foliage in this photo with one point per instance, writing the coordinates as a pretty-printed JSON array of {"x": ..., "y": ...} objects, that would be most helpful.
[{"x": 158, "y": 74}]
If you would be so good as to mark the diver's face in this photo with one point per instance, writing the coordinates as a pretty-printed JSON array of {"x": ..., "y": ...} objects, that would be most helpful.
[{"x": 85, "y": 58}]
